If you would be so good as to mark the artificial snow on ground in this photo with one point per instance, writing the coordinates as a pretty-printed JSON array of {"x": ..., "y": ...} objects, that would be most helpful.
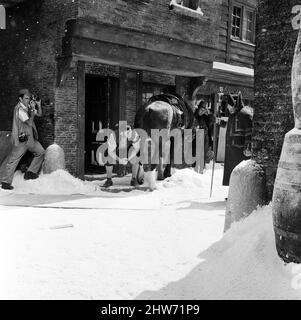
[{"x": 63, "y": 238}]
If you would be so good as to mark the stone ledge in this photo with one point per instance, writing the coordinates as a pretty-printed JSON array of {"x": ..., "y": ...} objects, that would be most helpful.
[{"x": 243, "y": 42}]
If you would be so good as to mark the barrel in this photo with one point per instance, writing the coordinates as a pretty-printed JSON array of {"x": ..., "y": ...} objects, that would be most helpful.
[{"x": 286, "y": 203}]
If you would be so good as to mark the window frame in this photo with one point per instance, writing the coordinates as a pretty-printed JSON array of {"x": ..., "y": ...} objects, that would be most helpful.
[
  {"x": 243, "y": 31},
  {"x": 241, "y": 21}
]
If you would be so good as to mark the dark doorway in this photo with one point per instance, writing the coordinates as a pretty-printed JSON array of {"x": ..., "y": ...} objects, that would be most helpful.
[{"x": 102, "y": 109}]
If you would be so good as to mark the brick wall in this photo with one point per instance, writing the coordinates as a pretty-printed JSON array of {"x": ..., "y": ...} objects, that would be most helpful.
[
  {"x": 66, "y": 131},
  {"x": 103, "y": 70},
  {"x": 275, "y": 42},
  {"x": 28, "y": 49}
]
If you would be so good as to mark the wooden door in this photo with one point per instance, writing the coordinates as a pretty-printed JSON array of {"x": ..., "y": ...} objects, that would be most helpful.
[{"x": 102, "y": 110}]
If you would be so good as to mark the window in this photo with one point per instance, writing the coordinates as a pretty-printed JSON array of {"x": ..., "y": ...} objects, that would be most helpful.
[
  {"x": 187, "y": 7},
  {"x": 249, "y": 30},
  {"x": 243, "y": 23},
  {"x": 236, "y": 22}
]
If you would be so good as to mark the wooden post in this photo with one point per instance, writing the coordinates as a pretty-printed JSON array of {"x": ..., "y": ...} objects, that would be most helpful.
[
  {"x": 122, "y": 94},
  {"x": 214, "y": 141},
  {"x": 81, "y": 118},
  {"x": 139, "y": 85}
]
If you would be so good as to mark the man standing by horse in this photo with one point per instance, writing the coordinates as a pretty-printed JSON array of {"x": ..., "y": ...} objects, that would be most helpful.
[
  {"x": 238, "y": 135},
  {"x": 205, "y": 120}
]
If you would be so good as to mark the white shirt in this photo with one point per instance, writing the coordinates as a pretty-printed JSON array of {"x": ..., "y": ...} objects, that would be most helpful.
[{"x": 23, "y": 113}]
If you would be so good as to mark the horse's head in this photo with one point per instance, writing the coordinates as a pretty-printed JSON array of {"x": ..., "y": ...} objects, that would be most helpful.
[{"x": 233, "y": 102}]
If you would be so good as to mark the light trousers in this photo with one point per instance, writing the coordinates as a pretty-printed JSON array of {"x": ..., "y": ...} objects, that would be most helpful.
[{"x": 17, "y": 153}]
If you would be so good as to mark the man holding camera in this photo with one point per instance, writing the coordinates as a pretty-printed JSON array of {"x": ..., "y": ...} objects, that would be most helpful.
[{"x": 24, "y": 138}]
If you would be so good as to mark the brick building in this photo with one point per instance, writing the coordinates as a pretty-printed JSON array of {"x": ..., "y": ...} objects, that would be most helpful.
[
  {"x": 96, "y": 61},
  {"x": 275, "y": 43}
]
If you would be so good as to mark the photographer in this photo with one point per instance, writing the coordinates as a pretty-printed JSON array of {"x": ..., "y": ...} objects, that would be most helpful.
[{"x": 24, "y": 138}]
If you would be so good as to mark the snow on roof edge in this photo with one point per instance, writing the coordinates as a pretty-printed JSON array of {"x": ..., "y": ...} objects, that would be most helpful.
[{"x": 232, "y": 68}]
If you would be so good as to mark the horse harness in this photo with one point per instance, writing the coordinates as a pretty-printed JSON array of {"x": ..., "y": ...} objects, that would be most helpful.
[{"x": 179, "y": 107}]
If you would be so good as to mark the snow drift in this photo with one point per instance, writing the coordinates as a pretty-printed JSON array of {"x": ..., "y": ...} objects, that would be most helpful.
[
  {"x": 243, "y": 265},
  {"x": 62, "y": 182},
  {"x": 57, "y": 182},
  {"x": 177, "y": 250}
]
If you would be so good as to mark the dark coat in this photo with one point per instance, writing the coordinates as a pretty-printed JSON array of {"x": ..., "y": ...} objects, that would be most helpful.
[
  {"x": 238, "y": 138},
  {"x": 206, "y": 122}
]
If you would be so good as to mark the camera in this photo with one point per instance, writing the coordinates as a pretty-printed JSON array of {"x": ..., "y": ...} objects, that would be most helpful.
[
  {"x": 34, "y": 98},
  {"x": 23, "y": 137}
]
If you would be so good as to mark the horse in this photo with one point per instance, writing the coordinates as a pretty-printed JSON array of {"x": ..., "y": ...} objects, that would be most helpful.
[{"x": 168, "y": 112}]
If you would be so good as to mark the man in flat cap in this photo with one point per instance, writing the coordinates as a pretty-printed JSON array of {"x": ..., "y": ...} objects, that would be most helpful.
[{"x": 24, "y": 138}]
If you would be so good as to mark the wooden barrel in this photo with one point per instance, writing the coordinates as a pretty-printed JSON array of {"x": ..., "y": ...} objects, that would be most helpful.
[{"x": 287, "y": 199}]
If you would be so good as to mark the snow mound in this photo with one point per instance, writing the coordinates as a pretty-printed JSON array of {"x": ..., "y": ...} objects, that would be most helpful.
[
  {"x": 248, "y": 166},
  {"x": 243, "y": 265},
  {"x": 62, "y": 182},
  {"x": 185, "y": 178},
  {"x": 184, "y": 183},
  {"x": 57, "y": 182}
]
